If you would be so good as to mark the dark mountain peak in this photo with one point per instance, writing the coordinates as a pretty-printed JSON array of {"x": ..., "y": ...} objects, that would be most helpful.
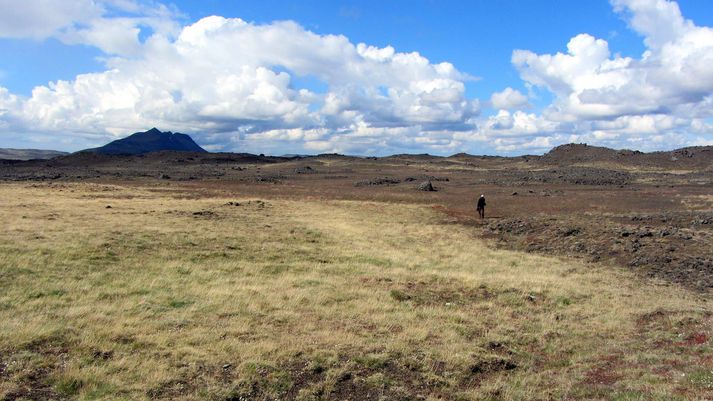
[{"x": 152, "y": 140}]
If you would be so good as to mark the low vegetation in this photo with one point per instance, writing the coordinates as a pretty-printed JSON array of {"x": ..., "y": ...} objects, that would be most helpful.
[{"x": 130, "y": 292}]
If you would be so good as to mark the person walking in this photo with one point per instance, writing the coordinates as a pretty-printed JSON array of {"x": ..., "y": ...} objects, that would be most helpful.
[{"x": 481, "y": 206}]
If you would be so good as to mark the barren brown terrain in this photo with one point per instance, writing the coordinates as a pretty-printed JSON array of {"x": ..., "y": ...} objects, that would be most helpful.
[{"x": 650, "y": 212}]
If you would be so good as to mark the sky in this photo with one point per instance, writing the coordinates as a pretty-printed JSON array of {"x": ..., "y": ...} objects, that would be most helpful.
[{"x": 505, "y": 77}]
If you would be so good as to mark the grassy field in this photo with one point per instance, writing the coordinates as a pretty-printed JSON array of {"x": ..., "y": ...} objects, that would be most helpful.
[{"x": 137, "y": 293}]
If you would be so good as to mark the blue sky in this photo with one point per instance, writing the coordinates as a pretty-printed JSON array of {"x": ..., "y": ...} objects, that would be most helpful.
[
  {"x": 269, "y": 77},
  {"x": 428, "y": 27}
]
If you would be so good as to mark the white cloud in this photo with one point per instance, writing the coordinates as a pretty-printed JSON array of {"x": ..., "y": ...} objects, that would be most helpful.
[
  {"x": 110, "y": 25},
  {"x": 509, "y": 99},
  {"x": 40, "y": 19},
  {"x": 673, "y": 75},
  {"x": 623, "y": 100},
  {"x": 227, "y": 75},
  {"x": 538, "y": 144},
  {"x": 517, "y": 124},
  {"x": 641, "y": 125},
  {"x": 660, "y": 21}
]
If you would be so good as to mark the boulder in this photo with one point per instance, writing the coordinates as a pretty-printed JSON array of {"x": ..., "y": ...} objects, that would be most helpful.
[{"x": 426, "y": 186}]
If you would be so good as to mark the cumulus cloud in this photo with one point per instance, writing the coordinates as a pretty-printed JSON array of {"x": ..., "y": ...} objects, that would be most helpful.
[
  {"x": 110, "y": 25},
  {"x": 40, "y": 19},
  {"x": 610, "y": 97},
  {"x": 509, "y": 99},
  {"x": 672, "y": 76},
  {"x": 660, "y": 21},
  {"x": 518, "y": 124},
  {"x": 223, "y": 75},
  {"x": 538, "y": 144}
]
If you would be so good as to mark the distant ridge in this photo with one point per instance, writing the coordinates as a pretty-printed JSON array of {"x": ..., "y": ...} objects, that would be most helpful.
[
  {"x": 581, "y": 152},
  {"x": 152, "y": 140},
  {"x": 572, "y": 153},
  {"x": 28, "y": 154}
]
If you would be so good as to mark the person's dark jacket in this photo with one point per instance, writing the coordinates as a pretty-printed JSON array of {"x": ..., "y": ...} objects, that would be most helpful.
[{"x": 481, "y": 203}]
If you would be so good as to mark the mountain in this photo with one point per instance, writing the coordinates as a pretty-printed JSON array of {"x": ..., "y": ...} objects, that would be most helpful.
[
  {"x": 28, "y": 154},
  {"x": 152, "y": 140}
]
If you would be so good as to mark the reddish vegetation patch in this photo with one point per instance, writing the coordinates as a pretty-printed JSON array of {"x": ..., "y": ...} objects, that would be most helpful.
[
  {"x": 684, "y": 352},
  {"x": 696, "y": 339},
  {"x": 606, "y": 372}
]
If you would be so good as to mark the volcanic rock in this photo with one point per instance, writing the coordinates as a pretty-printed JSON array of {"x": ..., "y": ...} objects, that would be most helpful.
[{"x": 426, "y": 186}]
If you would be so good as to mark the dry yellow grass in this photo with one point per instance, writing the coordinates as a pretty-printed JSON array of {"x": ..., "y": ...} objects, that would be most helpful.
[
  {"x": 166, "y": 295},
  {"x": 698, "y": 202}
]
